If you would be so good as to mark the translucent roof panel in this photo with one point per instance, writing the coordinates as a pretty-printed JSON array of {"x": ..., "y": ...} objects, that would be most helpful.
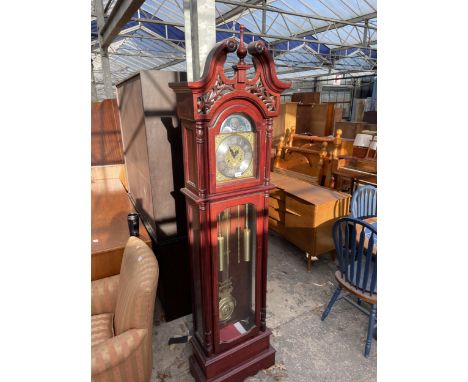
[{"x": 307, "y": 39}]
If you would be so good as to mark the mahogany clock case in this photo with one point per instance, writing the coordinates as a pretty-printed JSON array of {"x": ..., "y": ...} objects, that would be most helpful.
[{"x": 228, "y": 215}]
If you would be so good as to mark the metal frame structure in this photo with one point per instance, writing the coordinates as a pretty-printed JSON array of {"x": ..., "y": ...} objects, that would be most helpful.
[{"x": 309, "y": 38}]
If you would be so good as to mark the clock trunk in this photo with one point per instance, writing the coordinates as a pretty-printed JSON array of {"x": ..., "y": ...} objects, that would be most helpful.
[{"x": 227, "y": 128}]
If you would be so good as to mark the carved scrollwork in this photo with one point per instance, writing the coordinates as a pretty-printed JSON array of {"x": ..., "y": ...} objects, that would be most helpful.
[
  {"x": 259, "y": 90},
  {"x": 206, "y": 101}
]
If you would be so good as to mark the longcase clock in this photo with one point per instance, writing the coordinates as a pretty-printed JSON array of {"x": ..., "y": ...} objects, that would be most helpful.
[{"x": 227, "y": 128}]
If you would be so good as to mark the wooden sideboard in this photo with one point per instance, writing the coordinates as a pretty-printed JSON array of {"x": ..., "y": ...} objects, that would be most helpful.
[
  {"x": 304, "y": 214},
  {"x": 110, "y": 206}
]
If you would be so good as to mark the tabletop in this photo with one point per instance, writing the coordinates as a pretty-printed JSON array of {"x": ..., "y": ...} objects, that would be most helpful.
[
  {"x": 110, "y": 206},
  {"x": 373, "y": 222}
]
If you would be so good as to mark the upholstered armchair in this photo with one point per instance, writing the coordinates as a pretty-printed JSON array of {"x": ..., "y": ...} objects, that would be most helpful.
[{"x": 122, "y": 308}]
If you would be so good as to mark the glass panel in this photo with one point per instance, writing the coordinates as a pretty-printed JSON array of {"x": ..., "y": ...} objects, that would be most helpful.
[
  {"x": 236, "y": 123},
  {"x": 236, "y": 271},
  {"x": 195, "y": 232}
]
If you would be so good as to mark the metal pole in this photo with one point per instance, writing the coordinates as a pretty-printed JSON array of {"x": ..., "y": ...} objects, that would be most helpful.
[
  {"x": 94, "y": 96},
  {"x": 291, "y": 13},
  {"x": 200, "y": 34},
  {"x": 264, "y": 3},
  {"x": 266, "y": 35},
  {"x": 366, "y": 28},
  {"x": 105, "y": 63}
]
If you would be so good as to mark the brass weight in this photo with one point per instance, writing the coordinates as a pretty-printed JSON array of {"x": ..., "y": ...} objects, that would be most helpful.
[
  {"x": 247, "y": 235},
  {"x": 221, "y": 253}
]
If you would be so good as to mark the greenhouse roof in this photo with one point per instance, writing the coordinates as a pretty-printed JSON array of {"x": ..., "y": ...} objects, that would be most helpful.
[{"x": 308, "y": 38}]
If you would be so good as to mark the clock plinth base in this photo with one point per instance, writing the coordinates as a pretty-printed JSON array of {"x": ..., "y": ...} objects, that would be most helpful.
[{"x": 236, "y": 364}]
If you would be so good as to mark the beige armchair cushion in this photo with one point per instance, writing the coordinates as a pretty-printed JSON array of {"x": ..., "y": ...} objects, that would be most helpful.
[
  {"x": 127, "y": 300},
  {"x": 121, "y": 358},
  {"x": 137, "y": 292},
  {"x": 101, "y": 328},
  {"x": 104, "y": 295}
]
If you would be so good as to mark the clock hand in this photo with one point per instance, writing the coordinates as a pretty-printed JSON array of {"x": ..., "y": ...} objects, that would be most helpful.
[{"x": 232, "y": 152}]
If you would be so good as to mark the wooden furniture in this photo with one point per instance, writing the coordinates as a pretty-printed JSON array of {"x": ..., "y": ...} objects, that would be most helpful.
[
  {"x": 110, "y": 206},
  {"x": 304, "y": 214},
  {"x": 357, "y": 111},
  {"x": 308, "y": 158},
  {"x": 367, "y": 234},
  {"x": 355, "y": 170},
  {"x": 357, "y": 268},
  {"x": 306, "y": 97},
  {"x": 286, "y": 120},
  {"x": 106, "y": 139},
  {"x": 315, "y": 118},
  {"x": 227, "y": 131},
  {"x": 351, "y": 129},
  {"x": 153, "y": 156},
  {"x": 370, "y": 117},
  {"x": 301, "y": 163},
  {"x": 362, "y": 146}
]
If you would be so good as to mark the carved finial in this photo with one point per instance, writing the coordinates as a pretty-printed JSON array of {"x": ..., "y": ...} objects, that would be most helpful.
[
  {"x": 323, "y": 150},
  {"x": 291, "y": 137},
  {"x": 337, "y": 143},
  {"x": 279, "y": 151},
  {"x": 242, "y": 50}
]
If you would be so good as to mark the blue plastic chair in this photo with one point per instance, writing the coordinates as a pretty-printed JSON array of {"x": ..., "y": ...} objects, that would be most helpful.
[
  {"x": 356, "y": 243},
  {"x": 364, "y": 202}
]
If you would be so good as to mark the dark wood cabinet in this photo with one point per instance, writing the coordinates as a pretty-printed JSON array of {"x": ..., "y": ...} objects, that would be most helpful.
[
  {"x": 315, "y": 119},
  {"x": 153, "y": 156}
]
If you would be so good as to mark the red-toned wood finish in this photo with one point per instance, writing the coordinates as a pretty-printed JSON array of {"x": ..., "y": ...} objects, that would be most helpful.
[
  {"x": 202, "y": 107},
  {"x": 106, "y": 138}
]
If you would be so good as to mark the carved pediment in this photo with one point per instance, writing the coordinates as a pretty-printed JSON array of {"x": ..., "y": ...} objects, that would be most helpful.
[
  {"x": 259, "y": 90},
  {"x": 214, "y": 85},
  {"x": 207, "y": 100}
]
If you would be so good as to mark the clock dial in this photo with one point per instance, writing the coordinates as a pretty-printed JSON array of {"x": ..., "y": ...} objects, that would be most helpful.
[
  {"x": 234, "y": 156},
  {"x": 236, "y": 123}
]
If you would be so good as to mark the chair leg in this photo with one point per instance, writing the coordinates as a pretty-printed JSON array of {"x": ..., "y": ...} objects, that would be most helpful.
[
  {"x": 332, "y": 301},
  {"x": 370, "y": 329}
]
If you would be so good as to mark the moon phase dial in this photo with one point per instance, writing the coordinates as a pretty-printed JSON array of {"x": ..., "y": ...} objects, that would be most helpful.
[{"x": 234, "y": 156}]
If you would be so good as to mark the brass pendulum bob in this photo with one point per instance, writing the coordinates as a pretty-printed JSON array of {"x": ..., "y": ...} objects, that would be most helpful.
[{"x": 247, "y": 235}]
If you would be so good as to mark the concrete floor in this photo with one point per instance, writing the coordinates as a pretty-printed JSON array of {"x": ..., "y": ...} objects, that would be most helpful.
[{"x": 307, "y": 349}]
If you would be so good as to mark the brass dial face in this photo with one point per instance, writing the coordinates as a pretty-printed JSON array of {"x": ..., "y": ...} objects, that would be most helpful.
[{"x": 234, "y": 156}]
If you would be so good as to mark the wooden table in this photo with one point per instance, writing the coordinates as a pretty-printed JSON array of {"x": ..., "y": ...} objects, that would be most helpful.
[
  {"x": 304, "y": 214},
  {"x": 372, "y": 221},
  {"x": 110, "y": 206}
]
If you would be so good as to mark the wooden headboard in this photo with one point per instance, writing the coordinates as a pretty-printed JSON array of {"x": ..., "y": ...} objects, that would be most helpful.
[{"x": 307, "y": 157}]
